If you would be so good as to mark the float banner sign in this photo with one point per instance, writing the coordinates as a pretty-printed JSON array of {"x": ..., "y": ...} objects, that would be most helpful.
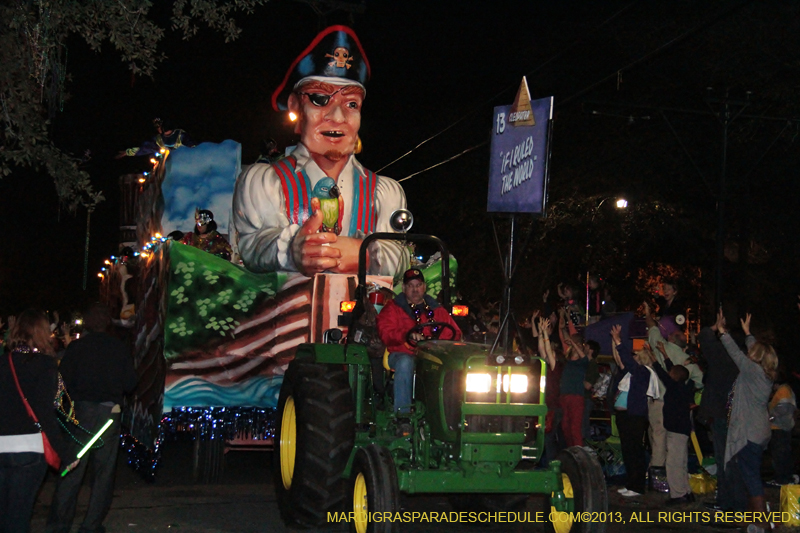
[{"x": 517, "y": 170}]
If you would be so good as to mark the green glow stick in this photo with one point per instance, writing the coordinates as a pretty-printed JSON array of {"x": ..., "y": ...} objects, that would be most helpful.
[{"x": 91, "y": 442}]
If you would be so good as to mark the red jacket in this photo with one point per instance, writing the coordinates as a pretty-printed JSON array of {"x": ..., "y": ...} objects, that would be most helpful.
[{"x": 394, "y": 323}]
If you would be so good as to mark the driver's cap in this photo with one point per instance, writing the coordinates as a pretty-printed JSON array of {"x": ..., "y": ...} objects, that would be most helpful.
[{"x": 412, "y": 274}]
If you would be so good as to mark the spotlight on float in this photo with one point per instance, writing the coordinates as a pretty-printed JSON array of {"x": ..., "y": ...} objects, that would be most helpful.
[
  {"x": 622, "y": 203},
  {"x": 292, "y": 116},
  {"x": 401, "y": 220}
]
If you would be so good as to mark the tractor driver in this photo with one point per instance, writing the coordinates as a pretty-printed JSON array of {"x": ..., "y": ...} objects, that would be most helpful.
[{"x": 396, "y": 321}]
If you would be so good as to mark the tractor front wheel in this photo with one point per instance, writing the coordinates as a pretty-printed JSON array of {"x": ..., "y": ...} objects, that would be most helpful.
[
  {"x": 584, "y": 487},
  {"x": 373, "y": 490},
  {"x": 313, "y": 440}
]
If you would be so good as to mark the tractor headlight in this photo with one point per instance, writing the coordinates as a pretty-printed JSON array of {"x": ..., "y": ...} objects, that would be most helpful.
[
  {"x": 479, "y": 382},
  {"x": 518, "y": 383}
]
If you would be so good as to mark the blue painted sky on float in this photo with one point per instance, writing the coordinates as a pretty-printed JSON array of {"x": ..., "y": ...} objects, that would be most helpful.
[{"x": 200, "y": 177}]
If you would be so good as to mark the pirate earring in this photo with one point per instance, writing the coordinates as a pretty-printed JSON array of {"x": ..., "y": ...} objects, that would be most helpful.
[{"x": 359, "y": 146}]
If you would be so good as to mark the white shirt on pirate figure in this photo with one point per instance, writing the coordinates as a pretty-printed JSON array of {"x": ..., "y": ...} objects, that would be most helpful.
[{"x": 265, "y": 232}]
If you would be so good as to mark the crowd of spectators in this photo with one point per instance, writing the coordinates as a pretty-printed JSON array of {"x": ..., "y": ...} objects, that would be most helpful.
[{"x": 723, "y": 385}]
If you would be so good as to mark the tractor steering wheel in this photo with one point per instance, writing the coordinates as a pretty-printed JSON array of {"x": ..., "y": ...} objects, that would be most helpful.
[{"x": 420, "y": 327}]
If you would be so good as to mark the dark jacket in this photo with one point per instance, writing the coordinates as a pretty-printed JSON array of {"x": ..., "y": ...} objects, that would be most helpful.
[
  {"x": 98, "y": 368},
  {"x": 719, "y": 377},
  {"x": 38, "y": 378},
  {"x": 677, "y": 401},
  {"x": 640, "y": 380},
  {"x": 678, "y": 307}
]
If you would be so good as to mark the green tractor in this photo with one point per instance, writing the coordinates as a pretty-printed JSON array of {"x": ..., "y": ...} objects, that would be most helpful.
[{"x": 478, "y": 434}]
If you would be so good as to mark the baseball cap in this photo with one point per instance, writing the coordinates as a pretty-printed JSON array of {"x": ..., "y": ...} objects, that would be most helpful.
[{"x": 412, "y": 274}]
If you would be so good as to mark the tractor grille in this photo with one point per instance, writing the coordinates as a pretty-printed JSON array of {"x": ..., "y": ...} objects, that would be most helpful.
[
  {"x": 528, "y": 425},
  {"x": 495, "y": 424},
  {"x": 453, "y": 391}
]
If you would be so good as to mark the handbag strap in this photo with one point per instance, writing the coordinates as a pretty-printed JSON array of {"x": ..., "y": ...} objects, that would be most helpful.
[{"x": 21, "y": 395}]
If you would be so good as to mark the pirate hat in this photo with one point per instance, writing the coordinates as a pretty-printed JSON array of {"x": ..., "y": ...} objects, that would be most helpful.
[{"x": 334, "y": 56}]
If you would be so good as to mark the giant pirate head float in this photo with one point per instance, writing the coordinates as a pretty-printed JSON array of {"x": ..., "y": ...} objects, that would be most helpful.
[
  {"x": 324, "y": 88},
  {"x": 335, "y": 56},
  {"x": 317, "y": 203}
]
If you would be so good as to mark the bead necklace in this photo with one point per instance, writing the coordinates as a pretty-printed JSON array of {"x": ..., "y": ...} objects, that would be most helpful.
[
  {"x": 69, "y": 415},
  {"x": 24, "y": 348},
  {"x": 421, "y": 309}
]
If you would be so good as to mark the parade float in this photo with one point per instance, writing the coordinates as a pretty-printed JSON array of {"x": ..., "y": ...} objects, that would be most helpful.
[{"x": 210, "y": 339}]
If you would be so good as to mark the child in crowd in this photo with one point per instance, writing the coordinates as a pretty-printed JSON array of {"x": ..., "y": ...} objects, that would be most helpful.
[
  {"x": 782, "y": 409},
  {"x": 677, "y": 421},
  {"x": 572, "y": 305}
]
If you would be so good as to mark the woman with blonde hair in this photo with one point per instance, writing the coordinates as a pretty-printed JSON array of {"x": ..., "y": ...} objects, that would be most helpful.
[
  {"x": 748, "y": 416},
  {"x": 29, "y": 355}
]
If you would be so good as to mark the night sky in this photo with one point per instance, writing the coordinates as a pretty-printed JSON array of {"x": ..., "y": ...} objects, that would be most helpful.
[{"x": 436, "y": 64}]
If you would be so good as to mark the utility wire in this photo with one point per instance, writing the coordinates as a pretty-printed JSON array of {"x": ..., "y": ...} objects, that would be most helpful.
[
  {"x": 484, "y": 143},
  {"x": 480, "y": 106},
  {"x": 658, "y": 50},
  {"x": 614, "y": 74}
]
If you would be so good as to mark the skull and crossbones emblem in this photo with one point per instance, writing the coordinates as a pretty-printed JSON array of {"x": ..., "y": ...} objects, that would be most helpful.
[{"x": 341, "y": 58}]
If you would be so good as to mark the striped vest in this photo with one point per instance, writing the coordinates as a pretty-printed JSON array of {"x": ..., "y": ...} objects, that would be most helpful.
[{"x": 297, "y": 196}]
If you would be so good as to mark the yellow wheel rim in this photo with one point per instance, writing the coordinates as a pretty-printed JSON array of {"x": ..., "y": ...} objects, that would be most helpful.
[
  {"x": 360, "y": 507},
  {"x": 288, "y": 443},
  {"x": 562, "y": 521}
]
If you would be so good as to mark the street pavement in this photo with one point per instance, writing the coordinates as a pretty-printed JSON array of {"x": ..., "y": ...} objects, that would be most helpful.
[{"x": 245, "y": 503}]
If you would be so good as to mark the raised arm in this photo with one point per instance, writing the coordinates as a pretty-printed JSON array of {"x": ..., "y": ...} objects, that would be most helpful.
[
  {"x": 624, "y": 354},
  {"x": 749, "y": 341},
  {"x": 549, "y": 355},
  {"x": 730, "y": 345},
  {"x": 649, "y": 319},
  {"x": 663, "y": 375},
  {"x": 575, "y": 346},
  {"x": 563, "y": 331},
  {"x": 617, "y": 359}
]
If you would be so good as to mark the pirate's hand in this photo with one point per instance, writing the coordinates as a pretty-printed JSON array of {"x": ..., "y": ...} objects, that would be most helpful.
[
  {"x": 313, "y": 252},
  {"x": 348, "y": 254}
]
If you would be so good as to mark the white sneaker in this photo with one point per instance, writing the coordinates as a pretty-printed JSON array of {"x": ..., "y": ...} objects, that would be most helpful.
[
  {"x": 621, "y": 490},
  {"x": 629, "y": 493}
]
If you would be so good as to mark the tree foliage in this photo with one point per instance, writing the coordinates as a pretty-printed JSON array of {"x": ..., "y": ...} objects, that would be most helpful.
[{"x": 33, "y": 69}]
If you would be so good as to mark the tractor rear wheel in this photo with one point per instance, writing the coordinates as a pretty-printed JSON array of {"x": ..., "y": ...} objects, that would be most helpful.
[
  {"x": 374, "y": 489},
  {"x": 313, "y": 440},
  {"x": 585, "y": 485}
]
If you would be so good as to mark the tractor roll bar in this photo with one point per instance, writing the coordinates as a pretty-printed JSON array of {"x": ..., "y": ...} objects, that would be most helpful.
[{"x": 405, "y": 237}]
